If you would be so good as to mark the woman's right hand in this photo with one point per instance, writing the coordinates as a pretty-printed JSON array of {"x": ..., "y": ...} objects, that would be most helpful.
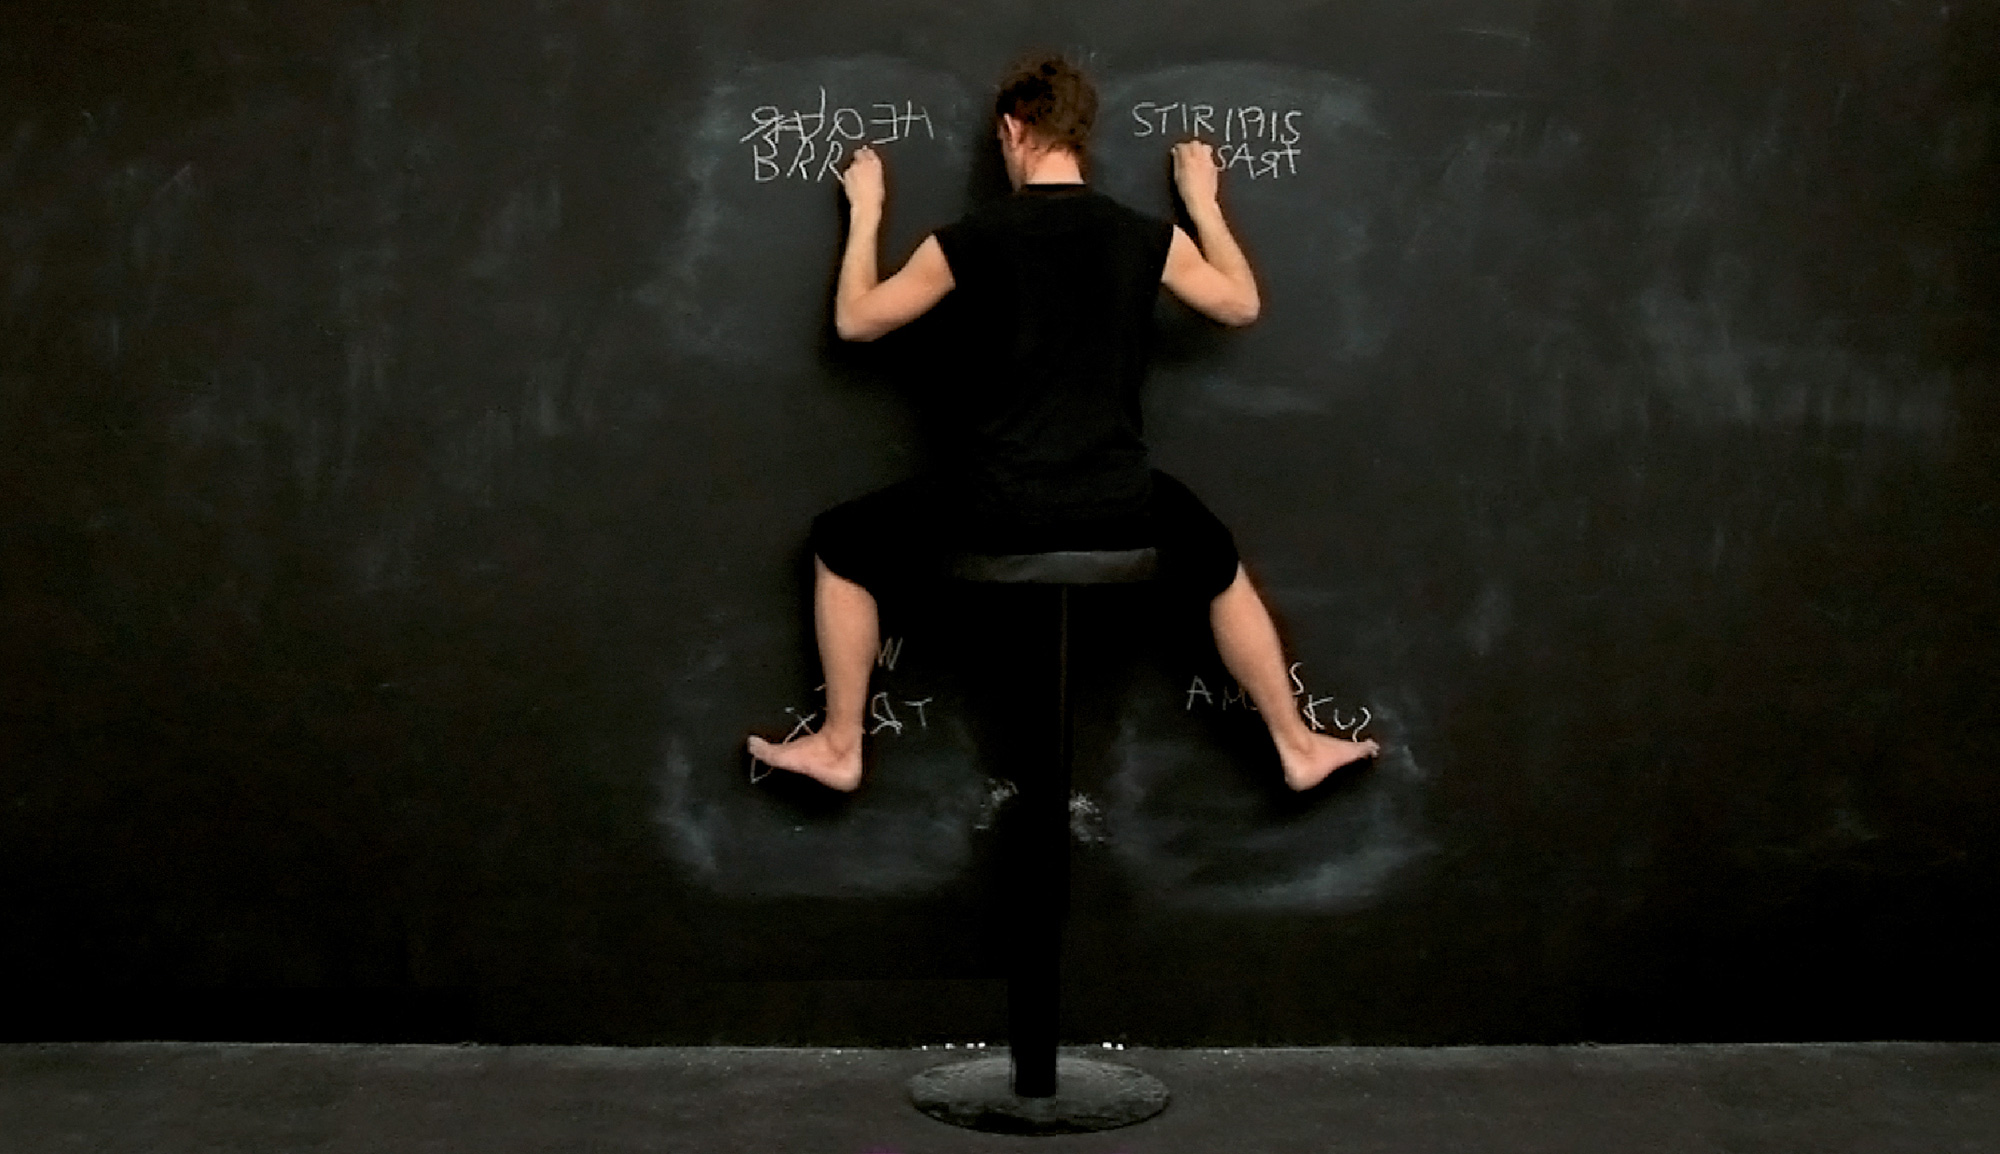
[{"x": 863, "y": 181}]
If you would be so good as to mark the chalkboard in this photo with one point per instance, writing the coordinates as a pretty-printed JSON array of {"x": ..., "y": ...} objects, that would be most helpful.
[
  {"x": 768, "y": 149},
  {"x": 413, "y": 414}
]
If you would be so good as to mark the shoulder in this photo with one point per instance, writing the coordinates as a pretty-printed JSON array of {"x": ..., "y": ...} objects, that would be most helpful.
[
  {"x": 986, "y": 217},
  {"x": 1111, "y": 205},
  {"x": 1142, "y": 224},
  {"x": 1151, "y": 235},
  {"x": 974, "y": 229},
  {"x": 962, "y": 239}
]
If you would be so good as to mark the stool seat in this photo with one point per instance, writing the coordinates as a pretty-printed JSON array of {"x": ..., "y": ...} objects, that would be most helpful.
[{"x": 1067, "y": 567}]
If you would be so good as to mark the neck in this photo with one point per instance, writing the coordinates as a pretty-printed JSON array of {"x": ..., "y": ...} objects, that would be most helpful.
[{"x": 1052, "y": 166}]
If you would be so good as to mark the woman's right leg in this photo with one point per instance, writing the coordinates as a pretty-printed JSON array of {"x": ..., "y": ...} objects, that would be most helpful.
[
  {"x": 884, "y": 541},
  {"x": 845, "y": 623}
]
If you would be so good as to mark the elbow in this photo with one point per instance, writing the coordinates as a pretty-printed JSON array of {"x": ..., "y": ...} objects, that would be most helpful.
[
  {"x": 1243, "y": 311},
  {"x": 853, "y": 328}
]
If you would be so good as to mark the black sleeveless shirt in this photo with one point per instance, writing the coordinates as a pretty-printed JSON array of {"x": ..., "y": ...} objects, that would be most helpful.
[{"x": 1058, "y": 286}]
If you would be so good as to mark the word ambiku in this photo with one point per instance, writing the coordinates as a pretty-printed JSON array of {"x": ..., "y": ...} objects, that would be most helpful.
[
  {"x": 881, "y": 713},
  {"x": 823, "y": 137},
  {"x": 1234, "y": 695},
  {"x": 1243, "y": 129}
]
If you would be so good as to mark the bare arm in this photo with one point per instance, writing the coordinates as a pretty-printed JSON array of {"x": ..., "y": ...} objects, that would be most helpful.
[
  {"x": 863, "y": 306},
  {"x": 1214, "y": 279}
]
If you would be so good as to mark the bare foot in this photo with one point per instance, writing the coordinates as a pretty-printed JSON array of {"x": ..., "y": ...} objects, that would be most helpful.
[
  {"x": 820, "y": 756},
  {"x": 1313, "y": 762}
]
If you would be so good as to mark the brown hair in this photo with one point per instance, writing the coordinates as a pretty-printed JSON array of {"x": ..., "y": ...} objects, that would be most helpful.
[{"x": 1053, "y": 98}]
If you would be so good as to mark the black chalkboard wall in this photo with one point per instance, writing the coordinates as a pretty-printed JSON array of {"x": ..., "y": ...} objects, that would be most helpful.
[{"x": 411, "y": 415}]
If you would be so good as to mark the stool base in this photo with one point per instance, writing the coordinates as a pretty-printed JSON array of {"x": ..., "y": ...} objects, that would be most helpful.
[{"x": 1089, "y": 1096}]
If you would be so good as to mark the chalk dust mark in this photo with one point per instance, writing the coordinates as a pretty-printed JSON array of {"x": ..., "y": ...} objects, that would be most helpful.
[
  {"x": 1220, "y": 849},
  {"x": 1086, "y": 821},
  {"x": 998, "y": 793}
]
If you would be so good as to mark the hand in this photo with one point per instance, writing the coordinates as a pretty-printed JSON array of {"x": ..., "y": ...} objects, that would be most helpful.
[
  {"x": 1195, "y": 173},
  {"x": 862, "y": 178}
]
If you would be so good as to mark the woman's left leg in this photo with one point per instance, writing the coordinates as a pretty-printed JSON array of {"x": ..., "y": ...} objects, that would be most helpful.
[{"x": 1251, "y": 651}]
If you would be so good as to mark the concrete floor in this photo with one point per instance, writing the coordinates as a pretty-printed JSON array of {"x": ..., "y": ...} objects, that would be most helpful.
[{"x": 163, "y": 1098}]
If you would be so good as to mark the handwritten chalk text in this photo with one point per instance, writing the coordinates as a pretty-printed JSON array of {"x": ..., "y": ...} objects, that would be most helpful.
[
  {"x": 1262, "y": 142},
  {"x": 1228, "y": 696},
  {"x": 809, "y": 143}
]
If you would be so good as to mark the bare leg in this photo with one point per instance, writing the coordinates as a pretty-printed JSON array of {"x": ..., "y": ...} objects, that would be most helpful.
[
  {"x": 1250, "y": 649},
  {"x": 845, "y": 623}
]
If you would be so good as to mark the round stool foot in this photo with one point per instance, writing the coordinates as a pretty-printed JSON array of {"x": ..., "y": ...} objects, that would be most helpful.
[{"x": 1089, "y": 1096}]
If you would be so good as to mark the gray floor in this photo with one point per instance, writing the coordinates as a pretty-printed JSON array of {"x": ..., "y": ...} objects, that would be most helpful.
[{"x": 164, "y": 1098}]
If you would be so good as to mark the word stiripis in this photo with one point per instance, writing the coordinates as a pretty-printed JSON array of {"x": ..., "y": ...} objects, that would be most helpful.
[{"x": 1243, "y": 129}]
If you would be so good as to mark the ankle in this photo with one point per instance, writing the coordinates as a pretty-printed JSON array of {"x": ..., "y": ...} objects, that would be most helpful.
[
  {"x": 841, "y": 737},
  {"x": 1296, "y": 740}
]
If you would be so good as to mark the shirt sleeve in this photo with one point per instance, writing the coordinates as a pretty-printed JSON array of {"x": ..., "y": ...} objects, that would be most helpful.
[{"x": 960, "y": 243}]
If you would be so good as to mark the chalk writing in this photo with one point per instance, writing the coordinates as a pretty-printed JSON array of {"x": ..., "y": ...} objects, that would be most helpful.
[
  {"x": 805, "y": 724},
  {"x": 892, "y": 651},
  {"x": 883, "y": 716},
  {"x": 1309, "y": 705},
  {"x": 809, "y": 144},
  {"x": 1262, "y": 142}
]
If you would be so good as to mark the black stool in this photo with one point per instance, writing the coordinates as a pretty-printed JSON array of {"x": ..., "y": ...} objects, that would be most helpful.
[{"x": 1044, "y": 1095}]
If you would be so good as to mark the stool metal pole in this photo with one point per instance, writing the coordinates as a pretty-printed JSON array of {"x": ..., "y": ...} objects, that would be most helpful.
[
  {"x": 1034, "y": 998},
  {"x": 1019, "y": 1094}
]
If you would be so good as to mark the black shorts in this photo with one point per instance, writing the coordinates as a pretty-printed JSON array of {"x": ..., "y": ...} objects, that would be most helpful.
[{"x": 902, "y": 537}]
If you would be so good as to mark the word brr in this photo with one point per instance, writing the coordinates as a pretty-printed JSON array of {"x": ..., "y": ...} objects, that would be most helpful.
[{"x": 809, "y": 144}]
